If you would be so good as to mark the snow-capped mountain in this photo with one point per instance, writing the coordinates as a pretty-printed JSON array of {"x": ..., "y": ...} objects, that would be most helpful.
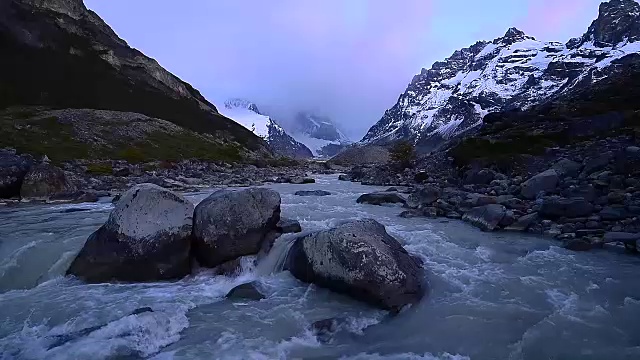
[
  {"x": 513, "y": 71},
  {"x": 318, "y": 133},
  {"x": 247, "y": 114}
]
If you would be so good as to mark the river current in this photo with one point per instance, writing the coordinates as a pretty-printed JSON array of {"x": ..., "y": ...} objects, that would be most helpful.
[{"x": 493, "y": 296}]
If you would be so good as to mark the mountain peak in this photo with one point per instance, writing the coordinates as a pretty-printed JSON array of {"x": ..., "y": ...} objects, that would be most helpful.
[
  {"x": 239, "y": 103},
  {"x": 513, "y": 35},
  {"x": 618, "y": 21}
]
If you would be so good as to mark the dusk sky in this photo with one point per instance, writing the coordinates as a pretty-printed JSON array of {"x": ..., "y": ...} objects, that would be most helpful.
[{"x": 348, "y": 59}]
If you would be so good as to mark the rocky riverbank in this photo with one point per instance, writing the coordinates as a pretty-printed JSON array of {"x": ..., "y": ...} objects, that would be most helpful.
[
  {"x": 584, "y": 196},
  {"x": 23, "y": 178}
]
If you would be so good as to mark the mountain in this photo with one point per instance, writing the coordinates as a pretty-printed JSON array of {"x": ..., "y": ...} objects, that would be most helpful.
[
  {"x": 514, "y": 71},
  {"x": 60, "y": 55},
  {"x": 318, "y": 133},
  {"x": 247, "y": 114}
]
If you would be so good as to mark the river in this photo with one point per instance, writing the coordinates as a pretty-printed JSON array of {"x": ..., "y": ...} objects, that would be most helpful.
[{"x": 493, "y": 296}]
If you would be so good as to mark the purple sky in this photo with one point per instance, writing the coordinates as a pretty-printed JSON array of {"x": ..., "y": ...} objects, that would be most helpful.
[{"x": 348, "y": 59}]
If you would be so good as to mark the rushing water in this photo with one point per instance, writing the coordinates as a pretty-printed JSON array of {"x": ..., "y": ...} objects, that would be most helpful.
[{"x": 493, "y": 296}]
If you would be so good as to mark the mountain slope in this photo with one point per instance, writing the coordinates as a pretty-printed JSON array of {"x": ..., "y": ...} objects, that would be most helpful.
[
  {"x": 59, "y": 54},
  {"x": 318, "y": 133},
  {"x": 510, "y": 72},
  {"x": 248, "y": 115}
]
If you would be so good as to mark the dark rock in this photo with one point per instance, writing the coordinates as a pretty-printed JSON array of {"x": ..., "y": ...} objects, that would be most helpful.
[
  {"x": 566, "y": 167},
  {"x": 288, "y": 226},
  {"x": 301, "y": 180},
  {"x": 544, "y": 182},
  {"x": 482, "y": 177},
  {"x": 596, "y": 164},
  {"x": 627, "y": 161},
  {"x": 45, "y": 180},
  {"x": 122, "y": 172},
  {"x": 474, "y": 200},
  {"x": 413, "y": 213},
  {"x": 146, "y": 238},
  {"x": 616, "y": 197},
  {"x": 614, "y": 212},
  {"x": 76, "y": 197},
  {"x": 141, "y": 310},
  {"x": 73, "y": 210},
  {"x": 343, "y": 177},
  {"x": 229, "y": 268},
  {"x": 13, "y": 169},
  {"x": 312, "y": 193},
  {"x": 485, "y": 217},
  {"x": 578, "y": 245},
  {"x": 381, "y": 198},
  {"x": 234, "y": 223},
  {"x": 586, "y": 191},
  {"x": 589, "y": 232},
  {"x": 325, "y": 329},
  {"x": 621, "y": 237},
  {"x": 360, "y": 259},
  {"x": 425, "y": 196},
  {"x": 553, "y": 208},
  {"x": 248, "y": 291},
  {"x": 421, "y": 177}
]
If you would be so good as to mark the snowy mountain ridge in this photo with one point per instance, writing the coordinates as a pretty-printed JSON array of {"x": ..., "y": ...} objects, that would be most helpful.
[
  {"x": 248, "y": 115},
  {"x": 512, "y": 71},
  {"x": 319, "y": 133}
]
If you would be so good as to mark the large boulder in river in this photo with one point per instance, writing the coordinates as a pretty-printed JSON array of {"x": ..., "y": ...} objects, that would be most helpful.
[
  {"x": 146, "y": 238},
  {"x": 485, "y": 217},
  {"x": 13, "y": 168},
  {"x": 545, "y": 181},
  {"x": 234, "y": 223},
  {"x": 381, "y": 198},
  {"x": 45, "y": 180},
  {"x": 360, "y": 259}
]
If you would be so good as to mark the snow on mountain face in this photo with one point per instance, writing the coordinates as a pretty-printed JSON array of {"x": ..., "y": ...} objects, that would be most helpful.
[
  {"x": 513, "y": 71},
  {"x": 318, "y": 133},
  {"x": 247, "y": 114}
]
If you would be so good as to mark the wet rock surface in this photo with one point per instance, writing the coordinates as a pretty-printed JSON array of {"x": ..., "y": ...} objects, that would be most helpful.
[
  {"x": 360, "y": 259},
  {"x": 146, "y": 238}
]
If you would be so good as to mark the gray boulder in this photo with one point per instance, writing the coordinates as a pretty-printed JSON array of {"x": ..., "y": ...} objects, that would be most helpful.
[
  {"x": 566, "y": 167},
  {"x": 13, "y": 169},
  {"x": 312, "y": 193},
  {"x": 288, "y": 226},
  {"x": 553, "y": 208},
  {"x": 523, "y": 223},
  {"x": 234, "y": 223},
  {"x": 485, "y": 217},
  {"x": 545, "y": 181},
  {"x": 381, "y": 198},
  {"x": 45, "y": 180},
  {"x": 425, "y": 196},
  {"x": 146, "y": 238},
  {"x": 249, "y": 291},
  {"x": 482, "y": 177},
  {"x": 360, "y": 259}
]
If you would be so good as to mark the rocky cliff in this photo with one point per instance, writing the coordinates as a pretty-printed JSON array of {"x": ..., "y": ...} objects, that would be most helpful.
[{"x": 59, "y": 54}]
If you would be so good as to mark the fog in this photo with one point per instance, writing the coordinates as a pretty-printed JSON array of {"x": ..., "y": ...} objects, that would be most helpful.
[{"x": 346, "y": 59}]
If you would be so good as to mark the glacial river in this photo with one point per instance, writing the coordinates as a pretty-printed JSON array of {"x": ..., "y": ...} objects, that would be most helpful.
[{"x": 493, "y": 296}]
